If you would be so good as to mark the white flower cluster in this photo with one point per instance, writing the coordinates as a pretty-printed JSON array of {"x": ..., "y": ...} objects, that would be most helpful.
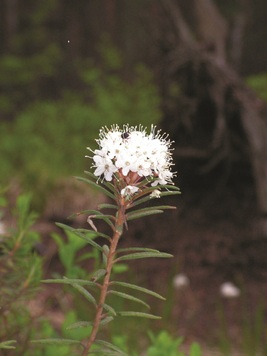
[{"x": 131, "y": 153}]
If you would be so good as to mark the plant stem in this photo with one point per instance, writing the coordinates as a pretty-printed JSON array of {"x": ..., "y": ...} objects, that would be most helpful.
[
  {"x": 17, "y": 243},
  {"x": 104, "y": 288}
]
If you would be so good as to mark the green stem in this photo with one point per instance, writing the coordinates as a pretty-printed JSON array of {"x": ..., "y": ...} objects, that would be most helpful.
[
  {"x": 17, "y": 243},
  {"x": 104, "y": 288}
]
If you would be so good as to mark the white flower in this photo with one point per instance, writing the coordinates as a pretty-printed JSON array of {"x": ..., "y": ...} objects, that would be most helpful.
[
  {"x": 165, "y": 176},
  {"x": 114, "y": 150},
  {"x": 129, "y": 190},
  {"x": 155, "y": 193},
  {"x": 126, "y": 162},
  {"x": 143, "y": 167},
  {"x": 229, "y": 290},
  {"x": 181, "y": 281},
  {"x": 105, "y": 166}
]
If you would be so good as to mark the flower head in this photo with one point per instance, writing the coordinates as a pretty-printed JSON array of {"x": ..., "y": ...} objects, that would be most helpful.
[{"x": 130, "y": 154}]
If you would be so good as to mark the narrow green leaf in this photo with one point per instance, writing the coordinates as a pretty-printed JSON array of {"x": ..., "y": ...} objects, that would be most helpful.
[
  {"x": 137, "y": 215},
  {"x": 120, "y": 268},
  {"x": 147, "y": 211},
  {"x": 139, "y": 249},
  {"x": 103, "y": 351},
  {"x": 146, "y": 195},
  {"x": 70, "y": 281},
  {"x": 109, "y": 309},
  {"x": 86, "y": 212},
  {"x": 98, "y": 187},
  {"x": 135, "y": 287},
  {"x": 97, "y": 233},
  {"x": 129, "y": 297},
  {"x": 98, "y": 274},
  {"x": 163, "y": 207},
  {"x": 105, "y": 254},
  {"x": 105, "y": 250},
  {"x": 138, "y": 255},
  {"x": 144, "y": 191},
  {"x": 91, "y": 175},
  {"x": 106, "y": 320},
  {"x": 107, "y": 206},
  {"x": 56, "y": 341},
  {"x": 106, "y": 218},
  {"x": 109, "y": 346},
  {"x": 156, "y": 207},
  {"x": 170, "y": 187},
  {"x": 162, "y": 194},
  {"x": 8, "y": 344},
  {"x": 138, "y": 314},
  {"x": 150, "y": 209},
  {"x": 81, "y": 235},
  {"x": 109, "y": 186},
  {"x": 85, "y": 256},
  {"x": 84, "y": 292},
  {"x": 58, "y": 240},
  {"x": 96, "y": 215},
  {"x": 95, "y": 178},
  {"x": 79, "y": 324}
]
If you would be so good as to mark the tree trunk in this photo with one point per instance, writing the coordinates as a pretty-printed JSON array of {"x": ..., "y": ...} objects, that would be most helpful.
[
  {"x": 256, "y": 130},
  {"x": 214, "y": 112}
]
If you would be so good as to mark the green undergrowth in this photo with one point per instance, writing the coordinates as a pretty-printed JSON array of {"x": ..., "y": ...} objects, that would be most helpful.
[
  {"x": 258, "y": 82},
  {"x": 45, "y": 136}
]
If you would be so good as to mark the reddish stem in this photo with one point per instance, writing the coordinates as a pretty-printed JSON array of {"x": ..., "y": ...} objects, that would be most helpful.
[{"x": 104, "y": 288}]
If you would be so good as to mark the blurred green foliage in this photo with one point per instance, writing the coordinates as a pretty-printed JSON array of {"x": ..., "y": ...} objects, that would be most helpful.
[
  {"x": 46, "y": 329},
  {"x": 20, "y": 274},
  {"x": 165, "y": 345},
  {"x": 72, "y": 253},
  {"x": 47, "y": 138},
  {"x": 251, "y": 323},
  {"x": 55, "y": 95},
  {"x": 258, "y": 82},
  {"x": 68, "y": 254}
]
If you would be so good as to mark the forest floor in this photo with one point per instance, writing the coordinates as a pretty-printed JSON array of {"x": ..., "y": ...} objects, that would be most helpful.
[{"x": 211, "y": 244}]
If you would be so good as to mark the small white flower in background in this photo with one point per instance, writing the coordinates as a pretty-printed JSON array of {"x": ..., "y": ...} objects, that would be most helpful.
[
  {"x": 229, "y": 290},
  {"x": 129, "y": 190},
  {"x": 130, "y": 154},
  {"x": 180, "y": 281}
]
